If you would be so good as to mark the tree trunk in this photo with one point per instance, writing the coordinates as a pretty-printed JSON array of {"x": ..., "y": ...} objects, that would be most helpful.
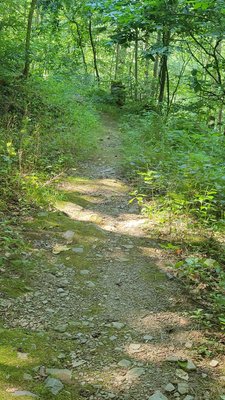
[
  {"x": 117, "y": 62},
  {"x": 80, "y": 44},
  {"x": 27, "y": 62},
  {"x": 93, "y": 50},
  {"x": 154, "y": 86},
  {"x": 163, "y": 76},
  {"x": 136, "y": 65}
]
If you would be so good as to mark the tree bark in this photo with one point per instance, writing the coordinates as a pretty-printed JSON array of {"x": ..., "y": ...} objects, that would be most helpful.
[
  {"x": 136, "y": 65},
  {"x": 154, "y": 85},
  {"x": 80, "y": 44},
  {"x": 163, "y": 76},
  {"x": 27, "y": 62},
  {"x": 93, "y": 50}
]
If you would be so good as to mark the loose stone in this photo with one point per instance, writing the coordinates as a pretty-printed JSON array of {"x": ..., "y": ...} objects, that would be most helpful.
[
  {"x": 214, "y": 363},
  {"x": 54, "y": 385},
  {"x": 147, "y": 338},
  {"x": 84, "y": 272},
  {"x": 135, "y": 373},
  {"x": 118, "y": 325},
  {"x": 169, "y": 388},
  {"x": 190, "y": 366},
  {"x": 183, "y": 388},
  {"x": 158, "y": 396},
  {"x": 64, "y": 375},
  {"x": 182, "y": 374},
  {"x": 124, "y": 363}
]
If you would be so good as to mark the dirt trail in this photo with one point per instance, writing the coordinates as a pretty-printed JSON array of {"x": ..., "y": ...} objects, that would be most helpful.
[{"x": 107, "y": 297}]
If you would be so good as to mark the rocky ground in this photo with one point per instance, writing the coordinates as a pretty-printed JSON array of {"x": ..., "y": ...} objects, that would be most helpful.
[{"x": 116, "y": 323}]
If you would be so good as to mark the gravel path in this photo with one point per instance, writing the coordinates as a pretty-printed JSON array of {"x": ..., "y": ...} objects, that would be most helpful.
[{"x": 104, "y": 286}]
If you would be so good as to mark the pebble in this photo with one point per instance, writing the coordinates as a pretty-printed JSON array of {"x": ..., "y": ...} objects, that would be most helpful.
[
  {"x": 190, "y": 366},
  {"x": 134, "y": 373},
  {"x": 78, "y": 250},
  {"x": 84, "y": 272},
  {"x": 214, "y": 363},
  {"x": 158, "y": 396},
  {"x": 65, "y": 375},
  {"x": 172, "y": 358},
  {"x": 112, "y": 338},
  {"x": 169, "y": 388},
  {"x": 135, "y": 348},
  {"x": 118, "y": 325},
  {"x": 124, "y": 363},
  {"x": 183, "y": 388},
  {"x": 147, "y": 338},
  {"x": 54, "y": 385},
  {"x": 182, "y": 374},
  {"x": 90, "y": 284},
  {"x": 68, "y": 235},
  {"x": 188, "y": 345},
  {"x": 61, "y": 328}
]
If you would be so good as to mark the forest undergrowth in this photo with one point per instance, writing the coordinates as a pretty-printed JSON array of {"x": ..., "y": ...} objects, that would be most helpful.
[{"x": 177, "y": 166}]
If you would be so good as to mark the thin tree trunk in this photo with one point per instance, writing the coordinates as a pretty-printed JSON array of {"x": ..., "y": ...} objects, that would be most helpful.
[
  {"x": 147, "y": 62},
  {"x": 117, "y": 62},
  {"x": 27, "y": 62},
  {"x": 80, "y": 44},
  {"x": 93, "y": 50},
  {"x": 136, "y": 65},
  {"x": 154, "y": 86},
  {"x": 164, "y": 68}
]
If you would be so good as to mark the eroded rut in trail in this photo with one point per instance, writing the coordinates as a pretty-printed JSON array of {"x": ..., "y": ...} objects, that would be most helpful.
[{"x": 106, "y": 296}]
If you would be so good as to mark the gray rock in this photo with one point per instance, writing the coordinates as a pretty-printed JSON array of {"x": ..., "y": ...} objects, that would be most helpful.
[
  {"x": 172, "y": 358},
  {"x": 158, "y": 396},
  {"x": 134, "y": 373},
  {"x": 68, "y": 235},
  {"x": 183, "y": 388},
  {"x": 90, "y": 284},
  {"x": 182, "y": 374},
  {"x": 169, "y": 388},
  {"x": 65, "y": 375},
  {"x": 190, "y": 366},
  {"x": 54, "y": 385},
  {"x": 84, "y": 272},
  {"x": 60, "y": 290},
  {"x": 78, "y": 250},
  {"x": 147, "y": 338},
  {"x": 124, "y": 363},
  {"x": 188, "y": 397},
  {"x": 214, "y": 363},
  {"x": 118, "y": 325},
  {"x": 21, "y": 393},
  {"x": 61, "y": 328}
]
